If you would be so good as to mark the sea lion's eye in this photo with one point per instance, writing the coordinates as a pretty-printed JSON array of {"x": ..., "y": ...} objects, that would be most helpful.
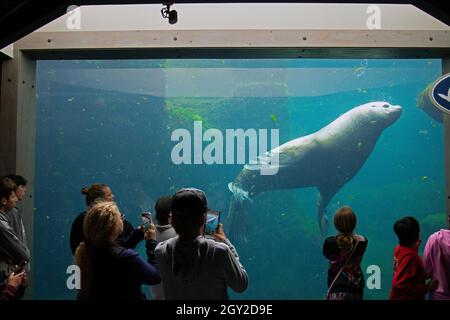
[{"x": 386, "y": 106}]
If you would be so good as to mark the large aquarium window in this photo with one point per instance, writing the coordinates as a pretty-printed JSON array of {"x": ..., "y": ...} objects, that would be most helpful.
[{"x": 149, "y": 127}]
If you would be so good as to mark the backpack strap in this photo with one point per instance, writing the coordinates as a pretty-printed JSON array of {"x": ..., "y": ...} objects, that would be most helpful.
[{"x": 342, "y": 269}]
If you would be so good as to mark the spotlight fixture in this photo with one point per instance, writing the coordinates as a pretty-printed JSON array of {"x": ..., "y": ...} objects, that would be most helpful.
[{"x": 172, "y": 15}]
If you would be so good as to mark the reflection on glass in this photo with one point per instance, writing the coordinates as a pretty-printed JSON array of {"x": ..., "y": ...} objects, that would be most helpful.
[{"x": 112, "y": 122}]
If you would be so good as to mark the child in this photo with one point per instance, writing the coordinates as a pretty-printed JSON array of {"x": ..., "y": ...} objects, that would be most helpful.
[
  {"x": 436, "y": 258},
  {"x": 345, "y": 252},
  {"x": 409, "y": 278}
]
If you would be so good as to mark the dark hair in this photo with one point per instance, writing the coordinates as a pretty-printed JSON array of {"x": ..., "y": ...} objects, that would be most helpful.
[
  {"x": 407, "y": 230},
  {"x": 188, "y": 209},
  {"x": 94, "y": 192},
  {"x": 18, "y": 180},
  {"x": 7, "y": 186},
  {"x": 162, "y": 208}
]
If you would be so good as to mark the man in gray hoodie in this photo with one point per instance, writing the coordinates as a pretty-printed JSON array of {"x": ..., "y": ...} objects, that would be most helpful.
[{"x": 191, "y": 266}]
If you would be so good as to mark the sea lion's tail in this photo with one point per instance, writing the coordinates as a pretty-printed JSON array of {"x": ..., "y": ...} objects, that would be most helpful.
[{"x": 237, "y": 215}]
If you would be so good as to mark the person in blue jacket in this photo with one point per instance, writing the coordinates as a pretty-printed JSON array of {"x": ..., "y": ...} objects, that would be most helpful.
[{"x": 108, "y": 270}]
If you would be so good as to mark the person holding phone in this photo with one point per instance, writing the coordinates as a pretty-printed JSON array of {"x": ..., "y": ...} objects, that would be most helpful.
[
  {"x": 191, "y": 265},
  {"x": 108, "y": 270},
  {"x": 12, "y": 251},
  {"x": 96, "y": 193},
  {"x": 15, "y": 214},
  {"x": 10, "y": 288},
  {"x": 164, "y": 231}
]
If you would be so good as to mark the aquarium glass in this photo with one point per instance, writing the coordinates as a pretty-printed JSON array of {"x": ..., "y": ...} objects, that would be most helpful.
[{"x": 114, "y": 122}]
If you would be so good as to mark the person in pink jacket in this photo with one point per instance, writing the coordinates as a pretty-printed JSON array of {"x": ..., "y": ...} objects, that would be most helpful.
[{"x": 436, "y": 259}]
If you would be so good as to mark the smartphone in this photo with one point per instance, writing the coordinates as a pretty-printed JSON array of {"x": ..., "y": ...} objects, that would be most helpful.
[
  {"x": 21, "y": 267},
  {"x": 146, "y": 219},
  {"x": 212, "y": 221}
]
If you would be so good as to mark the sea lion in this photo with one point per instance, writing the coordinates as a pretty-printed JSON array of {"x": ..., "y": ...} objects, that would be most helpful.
[{"x": 326, "y": 159}]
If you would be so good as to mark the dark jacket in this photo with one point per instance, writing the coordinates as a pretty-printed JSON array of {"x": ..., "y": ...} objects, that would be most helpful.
[
  {"x": 118, "y": 273},
  {"x": 16, "y": 223},
  {"x": 351, "y": 280},
  {"x": 12, "y": 250},
  {"x": 129, "y": 238}
]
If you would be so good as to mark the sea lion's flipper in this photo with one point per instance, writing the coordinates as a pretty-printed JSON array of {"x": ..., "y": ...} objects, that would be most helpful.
[
  {"x": 239, "y": 193},
  {"x": 268, "y": 161},
  {"x": 237, "y": 215},
  {"x": 324, "y": 197}
]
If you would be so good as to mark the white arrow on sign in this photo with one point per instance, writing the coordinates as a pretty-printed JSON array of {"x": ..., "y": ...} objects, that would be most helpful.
[
  {"x": 445, "y": 97},
  {"x": 443, "y": 83}
]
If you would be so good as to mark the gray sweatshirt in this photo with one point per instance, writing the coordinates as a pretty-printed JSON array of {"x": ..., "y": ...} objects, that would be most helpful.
[
  {"x": 163, "y": 233},
  {"x": 12, "y": 250},
  {"x": 201, "y": 269}
]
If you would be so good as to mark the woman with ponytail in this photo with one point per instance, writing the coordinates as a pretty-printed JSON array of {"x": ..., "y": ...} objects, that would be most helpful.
[
  {"x": 344, "y": 253},
  {"x": 109, "y": 271},
  {"x": 98, "y": 192}
]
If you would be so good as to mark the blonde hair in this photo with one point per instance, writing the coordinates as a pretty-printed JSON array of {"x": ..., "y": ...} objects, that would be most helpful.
[
  {"x": 345, "y": 223},
  {"x": 102, "y": 226}
]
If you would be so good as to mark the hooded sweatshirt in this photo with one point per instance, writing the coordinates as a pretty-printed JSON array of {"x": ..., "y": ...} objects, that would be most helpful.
[
  {"x": 199, "y": 269},
  {"x": 436, "y": 258}
]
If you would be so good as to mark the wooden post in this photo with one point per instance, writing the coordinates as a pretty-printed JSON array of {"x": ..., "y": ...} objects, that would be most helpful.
[
  {"x": 17, "y": 131},
  {"x": 446, "y": 69}
]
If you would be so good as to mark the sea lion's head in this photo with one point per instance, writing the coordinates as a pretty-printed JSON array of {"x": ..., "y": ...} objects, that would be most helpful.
[{"x": 382, "y": 113}]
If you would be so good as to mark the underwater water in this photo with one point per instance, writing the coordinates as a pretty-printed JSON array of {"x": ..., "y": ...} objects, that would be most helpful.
[{"x": 111, "y": 122}]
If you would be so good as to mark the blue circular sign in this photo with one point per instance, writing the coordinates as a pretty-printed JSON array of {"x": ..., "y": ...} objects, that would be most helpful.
[{"x": 440, "y": 93}]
